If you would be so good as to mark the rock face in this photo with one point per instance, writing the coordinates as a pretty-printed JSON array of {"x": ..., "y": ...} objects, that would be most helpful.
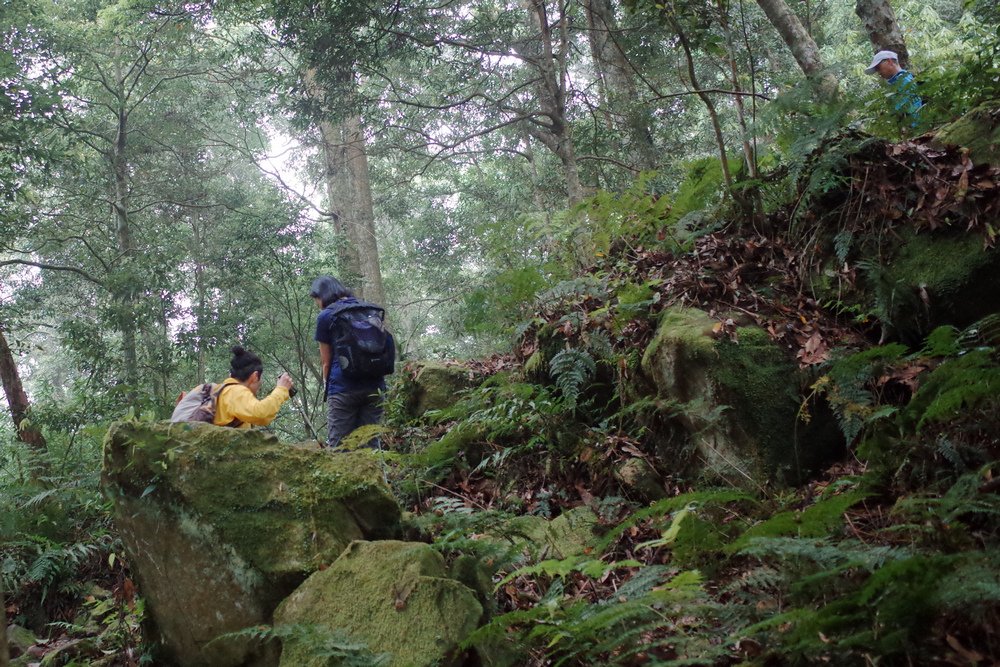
[
  {"x": 395, "y": 597},
  {"x": 221, "y": 524},
  {"x": 568, "y": 535},
  {"x": 434, "y": 385},
  {"x": 945, "y": 277},
  {"x": 738, "y": 401},
  {"x": 978, "y": 130}
]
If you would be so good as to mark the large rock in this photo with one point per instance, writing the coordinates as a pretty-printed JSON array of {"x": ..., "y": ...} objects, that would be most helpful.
[
  {"x": 978, "y": 131},
  {"x": 221, "y": 524},
  {"x": 738, "y": 400},
  {"x": 537, "y": 538},
  {"x": 434, "y": 385},
  {"x": 394, "y": 597},
  {"x": 935, "y": 278}
]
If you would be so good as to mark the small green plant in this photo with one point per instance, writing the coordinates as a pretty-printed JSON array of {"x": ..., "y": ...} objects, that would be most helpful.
[
  {"x": 572, "y": 369},
  {"x": 315, "y": 642}
]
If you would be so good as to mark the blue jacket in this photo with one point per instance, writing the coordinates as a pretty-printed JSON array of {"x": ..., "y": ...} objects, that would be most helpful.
[
  {"x": 336, "y": 383},
  {"x": 904, "y": 95}
]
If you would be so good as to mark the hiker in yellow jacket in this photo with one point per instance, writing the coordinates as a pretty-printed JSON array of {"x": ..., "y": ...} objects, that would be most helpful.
[{"x": 237, "y": 404}]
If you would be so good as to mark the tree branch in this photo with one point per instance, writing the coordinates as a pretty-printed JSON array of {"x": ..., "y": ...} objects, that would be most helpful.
[{"x": 53, "y": 267}]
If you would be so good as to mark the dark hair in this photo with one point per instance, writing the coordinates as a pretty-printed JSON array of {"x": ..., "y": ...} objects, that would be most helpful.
[
  {"x": 244, "y": 364},
  {"x": 328, "y": 290}
]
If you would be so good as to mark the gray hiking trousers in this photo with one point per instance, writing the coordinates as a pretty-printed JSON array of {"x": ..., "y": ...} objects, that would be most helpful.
[{"x": 348, "y": 410}]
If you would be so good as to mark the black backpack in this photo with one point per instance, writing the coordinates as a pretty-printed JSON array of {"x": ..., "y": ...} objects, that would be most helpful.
[{"x": 361, "y": 345}]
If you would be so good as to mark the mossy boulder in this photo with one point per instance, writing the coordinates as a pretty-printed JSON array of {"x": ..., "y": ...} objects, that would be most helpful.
[
  {"x": 221, "y": 524},
  {"x": 978, "y": 130},
  {"x": 943, "y": 277},
  {"x": 19, "y": 640},
  {"x": 738, "y": 400},
  {"x": 434, "y": 385},
  {"x": 538, "y": 538},
  {"x": 639, "y": 480},
  {"x": 570, "y": 533},
  {"x": 394, "y": 597}
]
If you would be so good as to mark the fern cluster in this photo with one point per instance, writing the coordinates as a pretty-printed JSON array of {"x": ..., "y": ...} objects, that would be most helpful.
[
  {"x": 313, "y": 645},
  {"x": 572, "y": 369}
]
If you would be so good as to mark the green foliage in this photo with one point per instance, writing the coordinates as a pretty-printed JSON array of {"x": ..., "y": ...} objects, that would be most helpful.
[
  {"x": 823, "y": 553},
  {"x": 816, "y": 520},
  {"x": 694, "y": 501},
  {"x": 847, "y": 387},
  {"x": 569, "y": 295},
  {"x": 119, "y": 621},
  {"x": 572, "y": 369},
  {"x": 608, "y": 632},
  {"x": 957, "y": 386},
  {"x": 501, "y": 301},
  {"x": 562, "y": 568},
  {"x": 961, "y": 504},
  {"x": 453, "y": 522},
  {"x": 699, "y": 190},
  {"x": 956, "y": 89},
  {"x": 317, "y": 641}
]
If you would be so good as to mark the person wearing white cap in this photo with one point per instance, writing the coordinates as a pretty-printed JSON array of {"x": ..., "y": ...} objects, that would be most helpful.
[{"x": 905, "y": 98}]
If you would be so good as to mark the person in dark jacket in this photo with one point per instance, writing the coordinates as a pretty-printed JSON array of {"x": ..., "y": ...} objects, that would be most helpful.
[{"x": 351, "y": 402}]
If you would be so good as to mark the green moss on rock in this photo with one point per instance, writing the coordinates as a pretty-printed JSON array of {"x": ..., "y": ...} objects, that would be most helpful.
[
  {"x": 220, "y": 524},
  {"x": 683, "y": 336},
  {"x": 570, "y": 533},
  {"x": 958, "y": 276},
  {"x": 435, "y": 386},
  {"x": 395, "y": 597},
  {"x": 739, "y": 400},
  {"x": 640, "y": 480},
  {"x": 760, "y": 385},
  {"x": 19, "y": 639},
  {"x": 978, "y": 130}
]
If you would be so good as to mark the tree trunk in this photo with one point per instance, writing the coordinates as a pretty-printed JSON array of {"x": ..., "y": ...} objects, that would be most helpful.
[
  {"x": 338, "y": 196},
  {"x": 879, "y": 21},
  {"x": 709, "y": 105},
  {"x": 362, "y": 217},
  {"x": 349, "y": 195},
  {"x": 801, "y": 44},
  {"x": 550, "y": 86},
  {"x": 4, "y": 647},
  {"x": 125, "y": 291},
  {"x": 17, "y": 399},
  {"x": 617, "y": 80},
  {"x": 749, "y": 154}
]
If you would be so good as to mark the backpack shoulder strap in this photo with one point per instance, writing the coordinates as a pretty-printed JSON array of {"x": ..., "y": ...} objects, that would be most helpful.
[
  {"x": 235, "y": 423},
  {"x": 339, "y": 307}
]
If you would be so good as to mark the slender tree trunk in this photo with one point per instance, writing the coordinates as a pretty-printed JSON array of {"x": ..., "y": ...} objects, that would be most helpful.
[
  {"x": 617, "y": 80},
  {"x": 17, "y": 399},
  {"x": 338, "y": 196},
  {"x": 536, "y": 179},
  {"x": 556, "y": 134},
  {"x": 201, "y": 312},
  {"x": 749, "y": 155},
  {"x": 126, "y": 245},
  {"x": 801, "y": 44},
  {"x": 4, "y": 647},
  {"x": 879, "y": 21},
  {"x": 709, "y": 105}
]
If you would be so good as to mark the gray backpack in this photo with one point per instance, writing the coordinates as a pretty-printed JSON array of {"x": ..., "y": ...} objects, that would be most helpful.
[{"x": 199, "y": 404}]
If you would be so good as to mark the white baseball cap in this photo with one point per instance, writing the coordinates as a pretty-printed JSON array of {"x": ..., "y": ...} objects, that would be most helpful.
[{"x": 879, "y": 57}]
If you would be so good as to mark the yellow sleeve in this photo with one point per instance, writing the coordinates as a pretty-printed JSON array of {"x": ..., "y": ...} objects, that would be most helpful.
[{"x": 238, "y": 402}]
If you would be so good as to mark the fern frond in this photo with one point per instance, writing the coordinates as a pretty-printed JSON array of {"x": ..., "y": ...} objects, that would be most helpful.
[
  {"x": 315, "y": 641},
  {"x": 572, "y": 369}
]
